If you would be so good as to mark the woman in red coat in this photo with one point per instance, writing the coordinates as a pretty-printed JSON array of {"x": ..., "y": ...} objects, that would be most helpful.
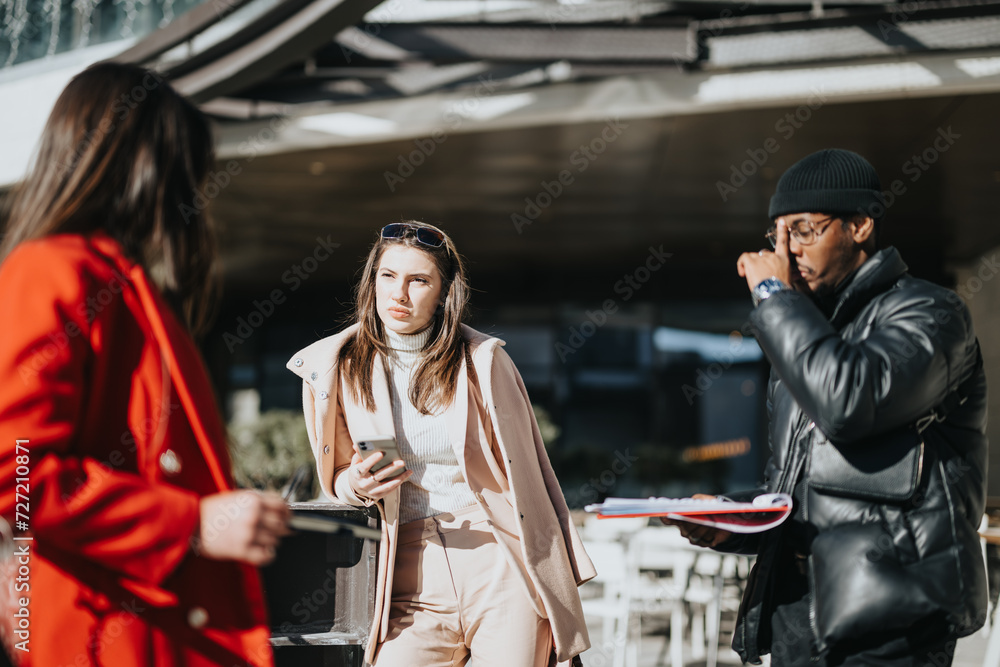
[{"x": 130, "y": 545}]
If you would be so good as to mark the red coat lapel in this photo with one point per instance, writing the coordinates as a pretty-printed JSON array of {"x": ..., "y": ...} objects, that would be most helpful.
[{"x": 186, "y": 367}]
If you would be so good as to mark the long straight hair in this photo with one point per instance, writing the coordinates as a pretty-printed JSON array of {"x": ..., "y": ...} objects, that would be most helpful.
[
  {"x": 434, "y": 382},
  {"x": 123, "y": 152}
]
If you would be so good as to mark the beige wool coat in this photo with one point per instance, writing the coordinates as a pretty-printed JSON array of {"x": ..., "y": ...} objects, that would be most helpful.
[{"x": 496, "y": 440}]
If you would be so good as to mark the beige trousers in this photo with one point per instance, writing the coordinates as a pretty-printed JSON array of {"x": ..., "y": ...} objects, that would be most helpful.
[{"x": 455, "y": 600}]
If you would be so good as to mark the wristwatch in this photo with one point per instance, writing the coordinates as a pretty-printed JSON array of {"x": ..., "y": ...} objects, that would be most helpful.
[{"x": 766, "y": 288}]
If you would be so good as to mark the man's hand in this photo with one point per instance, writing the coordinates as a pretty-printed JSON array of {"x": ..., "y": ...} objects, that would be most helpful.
[
  {"x": 758, "y": 266},
  {"x": 700, "y": 536},
  {"x": 242, "y": 525},
  {"x": 375, "y": 485}
]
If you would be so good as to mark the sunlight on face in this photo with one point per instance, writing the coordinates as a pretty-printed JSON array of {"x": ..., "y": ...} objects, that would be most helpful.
[
  {"x": 407, "y": 289},
  {"x": 822, "y": 264}
]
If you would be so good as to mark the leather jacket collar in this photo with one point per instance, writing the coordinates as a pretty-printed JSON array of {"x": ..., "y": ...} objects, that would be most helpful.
[{"x": 872, "y": 278}]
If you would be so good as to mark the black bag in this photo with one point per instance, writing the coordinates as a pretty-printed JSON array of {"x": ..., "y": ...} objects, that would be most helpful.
[{"x": 883, "y": 469}]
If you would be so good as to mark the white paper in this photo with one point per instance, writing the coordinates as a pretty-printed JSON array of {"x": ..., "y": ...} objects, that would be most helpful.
[{"x": 753, "y": 517}]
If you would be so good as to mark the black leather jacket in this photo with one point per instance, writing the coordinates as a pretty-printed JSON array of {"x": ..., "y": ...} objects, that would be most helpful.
[{"x": 894, "y": 349}]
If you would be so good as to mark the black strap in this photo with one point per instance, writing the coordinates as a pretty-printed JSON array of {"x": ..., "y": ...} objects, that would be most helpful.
[{"x": 955, "y": 399}]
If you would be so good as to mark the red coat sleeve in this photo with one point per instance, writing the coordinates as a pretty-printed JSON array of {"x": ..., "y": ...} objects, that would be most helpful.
[{"x": 78, "y": 505}]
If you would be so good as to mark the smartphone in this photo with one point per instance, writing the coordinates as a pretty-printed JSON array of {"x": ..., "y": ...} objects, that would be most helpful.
[{"x": 380, "y": 443}]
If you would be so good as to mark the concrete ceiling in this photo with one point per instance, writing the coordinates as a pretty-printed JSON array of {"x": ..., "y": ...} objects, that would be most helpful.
[{"x": 656, "y": 183}]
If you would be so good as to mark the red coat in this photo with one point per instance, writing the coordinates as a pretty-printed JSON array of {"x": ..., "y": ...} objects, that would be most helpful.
[{"x": 124, "y": 437}]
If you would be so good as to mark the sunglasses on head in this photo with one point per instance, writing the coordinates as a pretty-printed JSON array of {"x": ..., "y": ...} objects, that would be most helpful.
[{"x": 425, "y": 235}]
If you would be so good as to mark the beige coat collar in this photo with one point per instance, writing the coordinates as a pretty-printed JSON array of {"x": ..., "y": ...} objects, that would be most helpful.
[{"x": 315, "y": 364}]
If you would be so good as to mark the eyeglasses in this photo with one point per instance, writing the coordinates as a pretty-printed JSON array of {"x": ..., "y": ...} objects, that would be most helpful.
[
  {"x": 428, "y": 236},
  {"x": 804, "y": 232}
]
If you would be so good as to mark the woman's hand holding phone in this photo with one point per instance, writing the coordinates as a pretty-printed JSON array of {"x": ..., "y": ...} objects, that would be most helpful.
[{"x": 380, "y": 483}]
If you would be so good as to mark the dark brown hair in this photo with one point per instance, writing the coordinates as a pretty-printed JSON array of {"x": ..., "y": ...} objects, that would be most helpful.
[
  {"x": 433, "y": 385},
  {"x": 123, "y": 152}
]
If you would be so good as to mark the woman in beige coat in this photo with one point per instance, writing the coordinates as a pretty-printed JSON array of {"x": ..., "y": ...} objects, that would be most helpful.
[{"x": 479, "y": 558}]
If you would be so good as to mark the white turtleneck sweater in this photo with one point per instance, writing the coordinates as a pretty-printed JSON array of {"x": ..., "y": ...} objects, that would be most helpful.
[{"x": 437, "y": 484}]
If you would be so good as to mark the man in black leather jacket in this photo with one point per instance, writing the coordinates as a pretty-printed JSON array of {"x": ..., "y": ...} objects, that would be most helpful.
[{"x": 877, "y": 407}]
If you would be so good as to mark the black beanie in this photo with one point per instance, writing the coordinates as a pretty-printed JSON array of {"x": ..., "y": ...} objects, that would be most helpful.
[{"x": 830, "y": 181}]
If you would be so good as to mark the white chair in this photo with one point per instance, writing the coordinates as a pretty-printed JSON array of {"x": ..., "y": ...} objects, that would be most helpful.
[
  {"x": 662, "y": 561},
  {"x": 612, "y": 603},
  {"x": 657, "y": 574},
  {"x": 705, "y": 590},
  {"x": 609, "y": 530},
  {"x": 984, "y": 525},
  {"x": 707, "y": 582},
  {"x": 631, "y": 589},
  {"x": 991, "y": 658}
]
